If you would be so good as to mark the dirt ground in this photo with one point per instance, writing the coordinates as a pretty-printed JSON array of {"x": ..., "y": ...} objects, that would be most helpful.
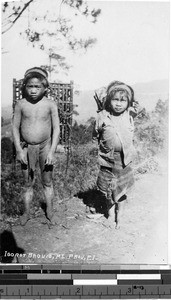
[{"x": 77, "y": 239}]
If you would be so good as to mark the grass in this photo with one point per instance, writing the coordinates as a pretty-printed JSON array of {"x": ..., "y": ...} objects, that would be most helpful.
[
  {"x": 74, "y": 177},
  {"x": 70, "y": 177}
]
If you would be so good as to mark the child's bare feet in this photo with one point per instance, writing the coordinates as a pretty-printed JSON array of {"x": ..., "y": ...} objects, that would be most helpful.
[
  {"x": 109, "y": 223},
  {"x": 117, "y": 226},
  {"x": 114, "y": 217},
  {"x": 51, "y": 218},
  {"x": 49, "y": 214}
]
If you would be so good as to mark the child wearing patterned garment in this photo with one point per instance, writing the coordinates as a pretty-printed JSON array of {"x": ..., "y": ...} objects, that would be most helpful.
[
  {"x": 36, "y": 134},
  {"x": 114, "y": 129}
]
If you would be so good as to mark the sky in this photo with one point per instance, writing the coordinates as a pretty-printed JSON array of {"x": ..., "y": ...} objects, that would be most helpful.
[{"x": 132, "y": 46}]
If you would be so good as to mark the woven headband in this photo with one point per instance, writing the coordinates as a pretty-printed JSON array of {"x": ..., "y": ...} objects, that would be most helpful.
[
  {"x": 36, "y": 70},
  {"x": 121, "y": 87}
]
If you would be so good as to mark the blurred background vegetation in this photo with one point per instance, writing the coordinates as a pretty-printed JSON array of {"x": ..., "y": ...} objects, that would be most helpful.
[{"x": 77, "y": 172}]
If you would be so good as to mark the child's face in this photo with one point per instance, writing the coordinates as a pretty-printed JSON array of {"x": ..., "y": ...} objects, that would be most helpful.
[
  {"x": 119, "y": 102},
  {"x": 35, "y": 89}
]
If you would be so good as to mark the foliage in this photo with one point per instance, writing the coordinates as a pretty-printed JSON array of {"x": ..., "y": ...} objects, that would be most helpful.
[
  {"x": 2, "y": 121},
  {"x": 70, "y": 177},
  {"x": 11, "y": 187},
  {"x": 151, "y": 130},
  {"x": 50, "y": 27},
  {"x": 5, "y": 121},
  {"x": 6, "y": 150},
  {"x": 161, "y": 109},
  {"x": 151, "y": 134},
  {"x": 78, "y": 172},
  {"x": 82, "y": 134}
]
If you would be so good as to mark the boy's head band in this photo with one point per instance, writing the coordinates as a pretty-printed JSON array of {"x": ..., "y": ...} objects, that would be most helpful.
[{"x": 36, "y": 70}]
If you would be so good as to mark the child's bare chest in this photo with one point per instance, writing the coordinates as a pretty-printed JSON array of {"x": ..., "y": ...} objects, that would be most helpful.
[{"x": 34, "y": 112}]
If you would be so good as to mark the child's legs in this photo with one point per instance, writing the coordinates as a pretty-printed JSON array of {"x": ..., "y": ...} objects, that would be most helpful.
[
  {"x": 119, "y": 210},
  {"x": 48, "y": 191},
  {"x": 28, "y": 189},
  {"x": 29, "y": 178},
  {"x": 46, "y": 176},
  {"x": 28, "y": 192}
]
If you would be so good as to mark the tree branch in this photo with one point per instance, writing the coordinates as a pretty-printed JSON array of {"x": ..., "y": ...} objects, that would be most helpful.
[{"x": 21, "y": 12}]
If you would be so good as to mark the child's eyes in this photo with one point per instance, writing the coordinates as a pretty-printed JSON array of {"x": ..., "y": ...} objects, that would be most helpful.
[
  {"x": 122, "y": 100},
  {"x": 34, "y": 86}
]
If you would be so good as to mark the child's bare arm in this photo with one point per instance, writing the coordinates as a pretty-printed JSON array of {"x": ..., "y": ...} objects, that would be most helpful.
[
  {"x": 55, "y": 132},
  {"x": 16, "y": 133},
  {"x": 16, "y": 126}
]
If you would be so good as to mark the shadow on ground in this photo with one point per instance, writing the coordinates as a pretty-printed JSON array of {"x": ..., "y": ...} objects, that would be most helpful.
[
  {"x": 93, "y": 199},
  {"x": 9, "y": 247}
]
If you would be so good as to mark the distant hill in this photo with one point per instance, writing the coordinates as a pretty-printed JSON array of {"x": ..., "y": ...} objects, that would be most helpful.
[{"x": 147, "y": 93}]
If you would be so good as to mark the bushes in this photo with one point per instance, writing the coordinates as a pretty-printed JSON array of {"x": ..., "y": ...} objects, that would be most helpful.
[
  {"x": 151, "y": 130},
  {"x": 6, "y": 150},
  {"x": 70, "y": 177},
  {"x": 82, "y": 134},
  {"x": 78, "y": 173},
  {"x": 151, "y": 133},
  {"x": 11, "y": 187}
]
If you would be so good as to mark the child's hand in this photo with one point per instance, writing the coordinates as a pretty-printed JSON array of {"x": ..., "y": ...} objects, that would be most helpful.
[
  {"x": 135, "y": 109},
  {"x": 50, "y": 159},
  {"x": 21, "y": 156},
  {"x": 136, "y": 105},
  {"x": 138, "y": 108}
]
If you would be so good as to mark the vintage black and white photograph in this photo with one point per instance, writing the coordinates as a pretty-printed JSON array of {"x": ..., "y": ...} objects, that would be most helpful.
[{"x": 84, "y": 132}]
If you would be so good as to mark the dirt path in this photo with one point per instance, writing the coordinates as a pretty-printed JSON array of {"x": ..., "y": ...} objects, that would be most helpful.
[{"x": 141, "y": 239}]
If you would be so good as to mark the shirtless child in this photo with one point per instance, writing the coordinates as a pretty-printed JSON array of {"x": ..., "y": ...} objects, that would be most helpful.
[{"x": 36, "y": 134}]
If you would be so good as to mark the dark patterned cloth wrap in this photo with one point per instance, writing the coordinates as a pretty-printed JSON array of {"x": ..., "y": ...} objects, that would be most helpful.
[{"x": 116, "y": 180}]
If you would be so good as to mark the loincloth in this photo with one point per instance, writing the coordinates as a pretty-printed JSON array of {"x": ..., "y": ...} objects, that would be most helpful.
[
  {"x": 35, "y": 153},
  {"x": 116, "y": 180}
]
